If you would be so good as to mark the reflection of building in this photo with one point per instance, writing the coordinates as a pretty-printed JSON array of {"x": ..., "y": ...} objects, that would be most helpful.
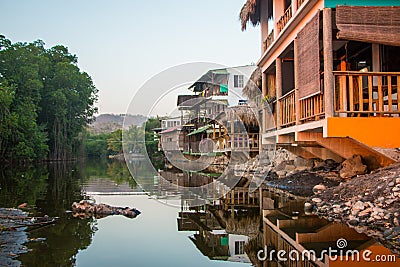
[
  {"x": 211, "y": 238},
  {"x": 286, "y": 227},
  {"x": 331, "y": 73}
]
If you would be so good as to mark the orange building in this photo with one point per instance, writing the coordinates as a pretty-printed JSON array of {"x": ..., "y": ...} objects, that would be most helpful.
[{"x": 331, "y": 71}]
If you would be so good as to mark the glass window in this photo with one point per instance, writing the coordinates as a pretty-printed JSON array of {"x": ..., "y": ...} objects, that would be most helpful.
[{"x": 238, "y": 81}]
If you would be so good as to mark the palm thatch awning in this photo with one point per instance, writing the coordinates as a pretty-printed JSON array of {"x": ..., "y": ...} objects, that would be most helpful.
[
  {"x": 250, "y": 12},
  {"x": 253, "y": 85},
  {"x": 245, "y": 113}
]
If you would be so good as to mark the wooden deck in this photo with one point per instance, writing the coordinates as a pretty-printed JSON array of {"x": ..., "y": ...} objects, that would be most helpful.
[{"x": 365, "y": 114}]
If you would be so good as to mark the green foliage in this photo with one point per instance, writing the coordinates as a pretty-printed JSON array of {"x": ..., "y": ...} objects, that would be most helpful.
[
  {"x": 96, "y": 145},
  {"x": 152, "y": 143},
  {"x": 45, "y": 101},
  {"x": 133, "y": 140},
  {"x": 114, "y": 142}
]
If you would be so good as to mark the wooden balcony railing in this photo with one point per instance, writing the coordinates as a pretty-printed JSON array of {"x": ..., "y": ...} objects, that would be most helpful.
[
  {"x": 300, "y": 2},
  {"x": 312, "y": 108},
  {"x": 367, "y": 93},
  {"x": 287, "y": 109},
  {"x": 269, "y": 40},
  {"x": 284, "y": 19},
  {"x": 241, "y": 196},
  {"x": 244, "y": 141}
]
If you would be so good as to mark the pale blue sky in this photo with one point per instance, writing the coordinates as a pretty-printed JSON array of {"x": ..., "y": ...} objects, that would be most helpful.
[{"x": 123, "y": 43}]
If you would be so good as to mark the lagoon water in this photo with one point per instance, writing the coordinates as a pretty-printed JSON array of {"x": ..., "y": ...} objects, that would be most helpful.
[{"x": 150, "y": 239}]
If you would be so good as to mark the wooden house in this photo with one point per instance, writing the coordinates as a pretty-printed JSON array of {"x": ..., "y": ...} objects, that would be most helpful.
[{"x": 330, "y": 70}]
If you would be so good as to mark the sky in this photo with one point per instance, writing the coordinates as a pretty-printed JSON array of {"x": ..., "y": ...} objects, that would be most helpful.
[{"x": 122, "y": 44}]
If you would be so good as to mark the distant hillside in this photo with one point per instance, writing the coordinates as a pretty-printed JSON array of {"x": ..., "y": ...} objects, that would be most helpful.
[{"x": 106, "y": 123}]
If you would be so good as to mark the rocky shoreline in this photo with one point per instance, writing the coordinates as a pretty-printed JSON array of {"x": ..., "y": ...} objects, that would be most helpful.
[{"x": 369, "y": 203}]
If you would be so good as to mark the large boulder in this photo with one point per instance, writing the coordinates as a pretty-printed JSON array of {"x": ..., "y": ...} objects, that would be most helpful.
[{"x": 352, "y": 167}]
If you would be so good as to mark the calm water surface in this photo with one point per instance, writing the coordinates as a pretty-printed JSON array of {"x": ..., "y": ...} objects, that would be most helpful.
[
  {"x": 151, "y": 239},
  {"x": 162, "y": 235}
]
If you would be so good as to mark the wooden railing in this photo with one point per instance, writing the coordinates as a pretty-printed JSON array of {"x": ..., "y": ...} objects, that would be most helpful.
[
  {"x": 269, "y": 40},
  {"x": 312, "y": 108},
  {"x": 300, "y": 2},
  {"x": 244, "y": 141},
  {"x": 367, "y": 93},
  {"x": 284, "y": 19},
  {"x": 241, "y": 196},
  {"x": 288, "y": 111}
]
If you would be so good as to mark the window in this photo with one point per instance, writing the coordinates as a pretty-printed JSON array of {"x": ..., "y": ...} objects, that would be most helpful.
[
  {"x": 238, "y": 81},
  {"x": 239, "y": 247}
]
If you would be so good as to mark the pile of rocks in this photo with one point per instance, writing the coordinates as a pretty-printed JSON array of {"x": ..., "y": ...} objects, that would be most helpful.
[
  {"x": 369, "y": 203},
  {"x": 85, "y": 207}
]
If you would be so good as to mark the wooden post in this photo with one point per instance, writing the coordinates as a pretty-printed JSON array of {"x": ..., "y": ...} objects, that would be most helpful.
[
  {"x": 296, "y": 80},
  {"x": 278, "y": 74},
  {"x": 376, "y": 62},
  {"x": 264, "y": 84},
  {"x": 294, "y": 7},
  {"x": 264, "y": 25},
  {"x": 328, "y": 62}
]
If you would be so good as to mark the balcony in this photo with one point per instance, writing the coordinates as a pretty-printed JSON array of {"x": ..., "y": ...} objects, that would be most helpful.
[
  {"x": 269, "y": 40},
  {"x": 244, "y": 141},
  {"x": 312, "y": 108},
  {"x": 300, "y": 2},
  {"x": 287, "y": 109},
  {"x": 284, "y": 19},
  {"x": 367, "y": 94}
]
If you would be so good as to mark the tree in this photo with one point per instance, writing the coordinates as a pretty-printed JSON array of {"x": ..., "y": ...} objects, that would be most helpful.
[
  {"x": 46, "y": 101},
  {"x": 114, "y": 142}
]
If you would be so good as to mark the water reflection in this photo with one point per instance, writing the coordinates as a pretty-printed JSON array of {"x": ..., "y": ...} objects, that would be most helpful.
[
  {"x": 49, "y": 190},
  {"x": 218, "y": 232},
  {"x": 219, "y": 235},
  {"x": 287, "y": 228}
]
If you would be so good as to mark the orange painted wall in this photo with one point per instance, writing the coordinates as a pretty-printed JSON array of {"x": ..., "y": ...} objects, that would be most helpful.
[{"x": 374, "y": 132}]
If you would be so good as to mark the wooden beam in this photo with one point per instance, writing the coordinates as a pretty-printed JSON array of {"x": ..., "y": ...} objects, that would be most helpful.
[
  {"x": 278, "y": 74},
  {"x": 296, "y": 80},
  {"x": 328, "y": 61},
  {"x": 345, "y": 147},
  {"x": 300, "y": 152}
]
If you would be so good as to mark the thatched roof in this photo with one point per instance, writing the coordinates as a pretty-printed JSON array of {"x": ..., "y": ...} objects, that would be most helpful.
[
  {"x": 245, "y": 113},
  {"x": 250, "y": 12},
  {"x": 253, "y": 86}
]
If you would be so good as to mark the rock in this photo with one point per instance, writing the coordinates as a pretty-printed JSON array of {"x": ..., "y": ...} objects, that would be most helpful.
[
  {"x": 397, "y": 180},
  {"x": 300, "y": 162},
  {"x": 302, "y": 168},
  {"x": 359, "y": 205},
  {"x": 352, "y": 167},
  {"x": 319, "y": 188},
  {"x": 395, "y": 189},
  {"x": 391, "y": 184},
  {"x": 353, "y": 222},
  {"x": 337, "y": 210},
  {"x": 316, "y": 200},
  {"x": 308, "y": 206},
  {"x": 22, "y": 206},
  {"x": 89, "y": 208},
  {"x": 290, "y": 168},
  {"x": 281, "y": 174}
]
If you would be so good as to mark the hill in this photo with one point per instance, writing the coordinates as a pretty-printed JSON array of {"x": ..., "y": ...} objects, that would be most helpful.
[{"x": 106, "y": 123}]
